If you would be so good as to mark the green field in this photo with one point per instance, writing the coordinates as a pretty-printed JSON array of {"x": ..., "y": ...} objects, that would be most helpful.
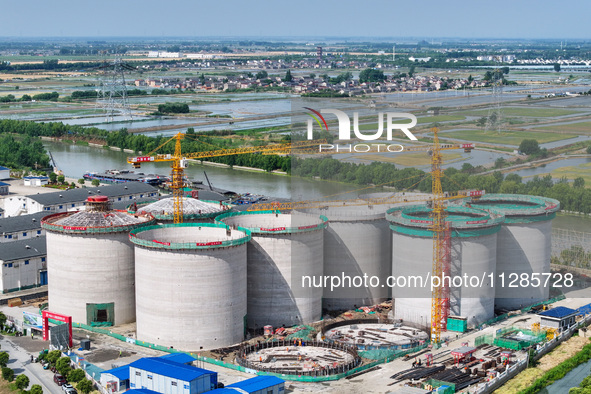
[
  {"x": 573, "y": 172},
  {"x": 423, "y": 120},
  {"x": 580, "y": 127},
  {"x": 409, "y": 159},
  {"x": 520, "y": 111},
  {"x": 504, "y": 137}
]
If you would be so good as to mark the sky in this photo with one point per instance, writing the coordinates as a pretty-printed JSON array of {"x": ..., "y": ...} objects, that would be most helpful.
[{"x": 430, "y": 19}]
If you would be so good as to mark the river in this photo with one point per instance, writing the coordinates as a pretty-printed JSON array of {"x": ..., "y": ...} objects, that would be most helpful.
[
  {"x": 571, "y": 379},
  {"x": 74, "y": 160}
]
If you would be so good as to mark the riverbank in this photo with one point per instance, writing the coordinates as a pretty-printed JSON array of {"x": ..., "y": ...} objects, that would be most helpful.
[
  {"x": 562, "y": 353},
  {"x": 204, "y": 162}
]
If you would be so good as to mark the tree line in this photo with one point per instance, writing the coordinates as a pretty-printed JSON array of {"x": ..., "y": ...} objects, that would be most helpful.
[
  {"x": 572, "y": 197},
  {"x": 138, "y": 142},
  {"x": 17, "y": 154}
]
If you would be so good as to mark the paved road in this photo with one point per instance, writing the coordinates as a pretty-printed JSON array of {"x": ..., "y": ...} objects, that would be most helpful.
[{"x": 20, "y": 362}]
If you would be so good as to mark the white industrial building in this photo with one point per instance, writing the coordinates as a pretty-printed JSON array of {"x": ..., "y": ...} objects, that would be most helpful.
[
  {"x": 4, "y": 173},
  {"x": 21, "y": 227},
  {"x": 24, "y": 264},
  {"x": 75, "y": 199},
  {"x": 36, "y": 180}
]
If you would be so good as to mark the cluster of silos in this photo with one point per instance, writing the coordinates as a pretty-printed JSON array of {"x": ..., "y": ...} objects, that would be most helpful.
[
  {"x": 284, "y": 249},
  {"x": 523, "y": 246},
  {"x": 357, "y": 243},
  {"x": 91, "y": 263},
  {"x": 190, "y": 284},
  {"x": 473, "y": 252},
  {"x": 193, "y": 209}
]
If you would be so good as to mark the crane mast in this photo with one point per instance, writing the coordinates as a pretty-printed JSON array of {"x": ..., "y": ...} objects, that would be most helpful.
[{"x": 441, "y": 244}]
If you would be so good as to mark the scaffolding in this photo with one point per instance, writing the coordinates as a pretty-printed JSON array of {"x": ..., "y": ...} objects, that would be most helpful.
[{"x": 571, "y": 247}]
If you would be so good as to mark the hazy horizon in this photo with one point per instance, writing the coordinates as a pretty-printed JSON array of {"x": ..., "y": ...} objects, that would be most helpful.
[{"x": 306, "y": 19}]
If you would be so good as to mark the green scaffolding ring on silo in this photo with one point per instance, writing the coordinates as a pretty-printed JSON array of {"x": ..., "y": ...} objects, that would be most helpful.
[
  {"x": 282, "y": 230},
  {"x": 187, "y": 245}
]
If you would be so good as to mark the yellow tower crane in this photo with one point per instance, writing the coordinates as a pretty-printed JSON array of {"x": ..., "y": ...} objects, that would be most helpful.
[
  {"x": 440, "y": 227},
  {"x": 179, "y": 162}
]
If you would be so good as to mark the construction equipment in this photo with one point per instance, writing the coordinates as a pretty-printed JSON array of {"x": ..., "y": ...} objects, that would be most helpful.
[
  {"x": 440, "y": 227},
  {"x": 179, "y": 162},
  {"x": 441, "y": 244}
]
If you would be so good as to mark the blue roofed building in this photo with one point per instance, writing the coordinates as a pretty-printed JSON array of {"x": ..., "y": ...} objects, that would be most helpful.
[
  {"x": 181, "y": 358},
  {"x": 169, "y": 374},
  {"x": 169, "y": 377},
  {"x": 560, "y": 318},
  {"x": 256, "y": 385},
  {"x": 4, "y": 188}
]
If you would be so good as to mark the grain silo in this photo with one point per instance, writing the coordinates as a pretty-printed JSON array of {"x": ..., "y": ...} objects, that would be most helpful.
[
  {"x": 283, "y": 249},
  {"x": 193, "y": 209},
  {"x": 91, "y": 263},
  {"x": 473, "y": 241},
  {"x": 356, "y": 243},
  {"x": 190, "y": 284},
  {"x": 523, "y": 246}
]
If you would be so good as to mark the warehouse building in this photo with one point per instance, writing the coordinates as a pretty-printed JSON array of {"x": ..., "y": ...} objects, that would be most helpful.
[
  {"x": 24, "y": 264},
  {"x": 75, "y": 199},
  {"x": 21, "y": 227}
]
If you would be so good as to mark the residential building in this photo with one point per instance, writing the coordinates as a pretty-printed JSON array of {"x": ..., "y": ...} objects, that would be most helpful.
[
  {"x": 17, "y": 228},
  {"x": 24, "y": 264},
  {"x": 75, "y": 199}
]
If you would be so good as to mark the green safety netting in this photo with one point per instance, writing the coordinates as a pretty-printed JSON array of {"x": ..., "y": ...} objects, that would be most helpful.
[
  {"x": 517, "y": 338},
  {"x": 100, "y": 315},
  {"x": 281, "y": 230},
  {"x": 187, "y": 245},
  {"x": 448, "y": 388},
  {"x": 378, "y": 354},
  {"x": 304, "y": 332}
]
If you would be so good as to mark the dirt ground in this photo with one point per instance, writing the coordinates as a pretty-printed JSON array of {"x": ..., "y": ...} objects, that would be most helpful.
[{"x": 563, "y": 352}]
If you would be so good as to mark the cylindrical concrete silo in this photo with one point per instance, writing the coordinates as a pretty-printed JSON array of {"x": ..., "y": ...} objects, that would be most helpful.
[
  {"x": 356, "y": 243},
  {"x": 190, "y": 282},
  {"x": 523, "y": 246},
  {"x": 194, "y": 210},
  {"x": 91, "y": 263},
  {"x": 284, "y": 249},
  {"x": 472, "y": 242}
]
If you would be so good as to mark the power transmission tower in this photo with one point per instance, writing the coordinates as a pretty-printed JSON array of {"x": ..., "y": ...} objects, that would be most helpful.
[
  {"x": 494, "y": 121},
  {"x": 111, "y": 89}
]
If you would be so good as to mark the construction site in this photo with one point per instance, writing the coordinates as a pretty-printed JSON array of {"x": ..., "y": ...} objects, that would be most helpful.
[{"x": 225, "y": 284}]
